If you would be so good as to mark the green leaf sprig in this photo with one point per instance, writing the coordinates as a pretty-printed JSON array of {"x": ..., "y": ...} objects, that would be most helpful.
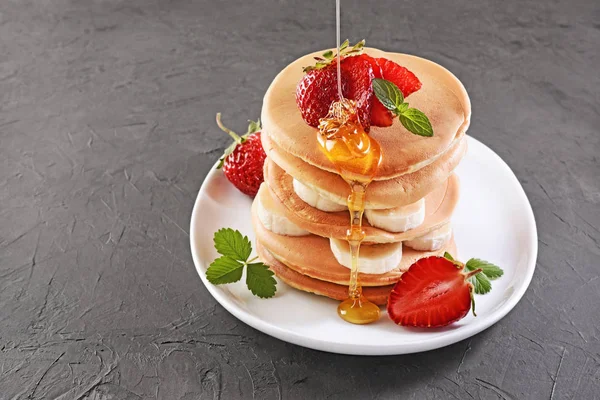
[
  {"x": 391, "y": 97},
  {"x": 253, "y": 127},
  {"x": 235, "y": 250},
  {"x": 482, "y": 281},
  {"x": 329, "y": 56}
]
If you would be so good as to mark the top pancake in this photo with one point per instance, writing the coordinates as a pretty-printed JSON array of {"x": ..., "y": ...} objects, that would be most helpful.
[{"x": 442, "y": 98}]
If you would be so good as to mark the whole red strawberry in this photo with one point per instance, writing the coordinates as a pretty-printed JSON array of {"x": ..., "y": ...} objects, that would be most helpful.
[
  {"x": 315, "y": 93},
  {"x": 243, "y": 160},
  {"x": 433, "y": 292}
]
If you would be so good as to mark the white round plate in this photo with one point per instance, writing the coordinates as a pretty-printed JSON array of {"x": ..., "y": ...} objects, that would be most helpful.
[{"x": 493, "y": 221}]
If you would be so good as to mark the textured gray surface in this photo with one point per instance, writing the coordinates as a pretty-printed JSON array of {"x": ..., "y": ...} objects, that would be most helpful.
[{"x": 107, "y": 131}]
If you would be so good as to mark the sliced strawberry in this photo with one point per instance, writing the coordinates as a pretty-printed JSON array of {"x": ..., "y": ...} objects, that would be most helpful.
[
  {"x": 380, "y": 116},
  {"x": 406, "y": 81},
  {"x": 433, "y": 292},
  {"x": 358, "y": 74},
  {"x": 374, "y": 64}
]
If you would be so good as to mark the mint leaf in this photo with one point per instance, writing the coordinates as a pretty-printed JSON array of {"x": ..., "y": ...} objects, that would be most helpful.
[
  {"x": 481, "y": 283},
  {"x": 388, "y": 94},
  {"x": 402, "y": 108},
  {"x": 448, "y": 256},
  {"x": 391, "y": 97},
  {"x": 260, "y": 281},
  {"x": 224, "y": 270},
  {"x": 490, "y": 270},
  {"x": 231, "y": 243},
  {"x": 416, "y": 122}
]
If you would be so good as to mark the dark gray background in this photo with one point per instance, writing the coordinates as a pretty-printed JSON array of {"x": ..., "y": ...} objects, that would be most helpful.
[{"x": 107, "y": 131}]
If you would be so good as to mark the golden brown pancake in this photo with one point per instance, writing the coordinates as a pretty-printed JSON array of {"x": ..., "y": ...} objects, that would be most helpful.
[
  {"x": 442, "y": 98},
  {"x": 312, "y": 256},
  {"x": 376, "y": 294},
  {"x": 439, "y": 206},
  {"x": 391, "y": 193}
]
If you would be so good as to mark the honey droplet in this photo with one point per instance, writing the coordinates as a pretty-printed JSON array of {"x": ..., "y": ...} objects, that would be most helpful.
[
  {"x": 351, "y": 150},
  {"x": 358, "y": 310},
  {"x": 356, "y": 156}
]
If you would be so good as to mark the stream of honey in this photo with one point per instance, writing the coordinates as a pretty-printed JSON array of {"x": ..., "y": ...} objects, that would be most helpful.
[{"x": 356, "y": 157}]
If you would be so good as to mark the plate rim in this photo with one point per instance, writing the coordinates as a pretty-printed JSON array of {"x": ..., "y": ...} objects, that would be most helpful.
[{"x": 370, "y": 348}]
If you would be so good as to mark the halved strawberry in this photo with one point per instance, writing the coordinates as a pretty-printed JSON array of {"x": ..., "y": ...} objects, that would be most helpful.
[
  {"x": 433, "y": 292},
  {"x": 406, "y": 81},
  {"x": 374, "y": 64},
  {"x": 381, "y": 116}
]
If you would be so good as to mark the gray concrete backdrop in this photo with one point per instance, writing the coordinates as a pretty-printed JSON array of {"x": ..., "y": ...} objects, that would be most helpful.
[{"x": 107, "y": 131}]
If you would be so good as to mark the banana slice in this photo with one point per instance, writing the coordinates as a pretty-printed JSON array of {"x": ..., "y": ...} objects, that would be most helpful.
[
  {"x": 374, "y": 259},
  {"x": 272, "y": 217},
  {"x": 314, "y": 199},
  {"x": 433, "y": 241},
  {"x": 398, "y": 219}
]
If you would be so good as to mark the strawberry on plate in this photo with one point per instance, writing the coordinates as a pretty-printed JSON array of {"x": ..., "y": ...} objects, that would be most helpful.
[
  {"x": 437, "y": 291},
  {"x": 243, "y": 160}
]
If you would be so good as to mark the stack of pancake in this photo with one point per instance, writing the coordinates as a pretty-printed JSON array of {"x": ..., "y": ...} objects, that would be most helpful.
[{"x": 300, "y": 215}]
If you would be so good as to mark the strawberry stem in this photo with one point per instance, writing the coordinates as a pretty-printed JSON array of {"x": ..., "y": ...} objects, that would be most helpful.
[
  {"x": 473, "y": 273},
  {"x": 231, "y": 133}
]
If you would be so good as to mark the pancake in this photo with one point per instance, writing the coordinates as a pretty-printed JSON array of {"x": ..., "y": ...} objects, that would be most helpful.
[
  {"x": 391, "y": 193},
  {"x": 312, "y": 256},
  {"x": 442, "y": 98},
  {"x": 439, "y": 206},
  {"x": 375, "y": 294}
]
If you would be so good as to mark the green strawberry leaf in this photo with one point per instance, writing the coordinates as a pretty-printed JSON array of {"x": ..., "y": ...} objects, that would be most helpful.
[
  {"x": 253, "y": 127},
  {"x": 329, "y": 56},
  {"x": 481, "y": 283},
  {"x": 224, "y": 270},
  {"x": 235, "y": 249},
  {"x": 490, "y": 270},
  {"x": 260, "y": 281},
  {"x": 226, "y": 153},
  {"x": 233, "y": 244},
  {"x": 448, "y": 256}
]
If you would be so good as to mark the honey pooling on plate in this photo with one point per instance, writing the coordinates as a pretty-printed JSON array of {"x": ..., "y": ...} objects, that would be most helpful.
[{"x": 356, "y": 156}]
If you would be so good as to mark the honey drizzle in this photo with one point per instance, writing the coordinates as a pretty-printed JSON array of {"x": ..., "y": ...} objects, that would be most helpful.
[{"x": 356, "y": 157}]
